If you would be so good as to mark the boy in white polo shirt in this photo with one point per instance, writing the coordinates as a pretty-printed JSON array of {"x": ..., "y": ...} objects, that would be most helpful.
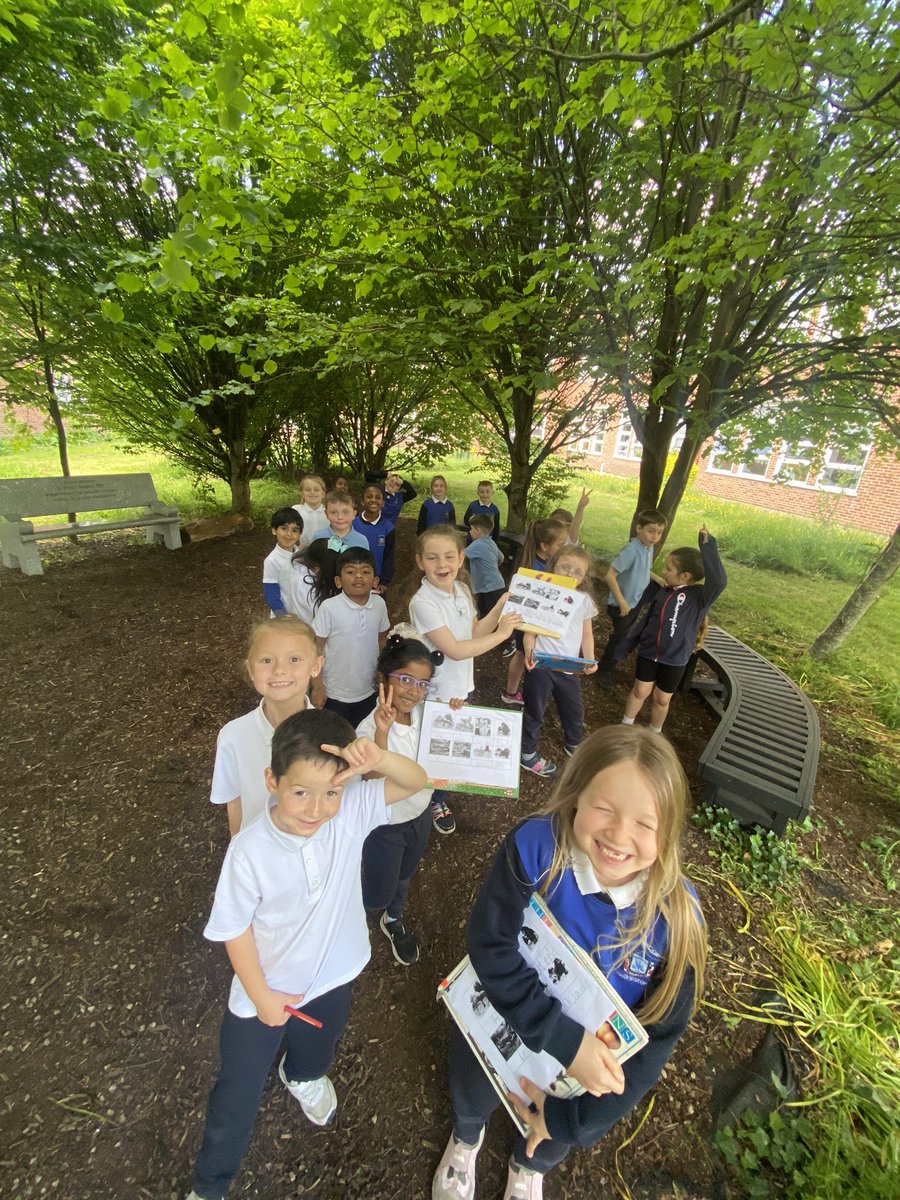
[
  {"x": 352, "y": 630},
  {"x": 289, "y": 909},
  {"x": 287, "y": 527}
]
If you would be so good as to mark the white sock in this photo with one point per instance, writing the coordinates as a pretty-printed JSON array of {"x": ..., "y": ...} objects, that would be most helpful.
[
  {"x": 628, "y": 720},
  {"x": 656, "y": 728}
]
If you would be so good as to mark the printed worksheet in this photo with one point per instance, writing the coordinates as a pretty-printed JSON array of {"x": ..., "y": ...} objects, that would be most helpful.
[
  {"x": 471, "y": 749},
  {"x": 569, "y": 975},
  {"x": 546, "y": 601}
]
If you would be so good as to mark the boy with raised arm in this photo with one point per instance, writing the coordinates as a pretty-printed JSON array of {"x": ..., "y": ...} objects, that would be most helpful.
[{"x": 289, "y": 909}]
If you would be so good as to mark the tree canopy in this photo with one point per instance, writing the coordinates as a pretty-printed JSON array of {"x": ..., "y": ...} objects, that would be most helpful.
[{"x": 550, "y": 212}]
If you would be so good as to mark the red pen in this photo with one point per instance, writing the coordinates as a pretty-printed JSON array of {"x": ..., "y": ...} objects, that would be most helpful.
[{"x": 295, "y": 1012}]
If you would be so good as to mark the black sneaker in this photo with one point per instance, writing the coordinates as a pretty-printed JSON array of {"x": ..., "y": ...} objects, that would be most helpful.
[
  {"x": 604, "y": 678},
  {"x": 441, "y": 817},
  {"x": 403, "y": 943},
  {"x": 509, "y": 649}
]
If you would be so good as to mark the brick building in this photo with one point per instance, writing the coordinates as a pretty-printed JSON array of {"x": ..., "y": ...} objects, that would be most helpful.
[{"x": 860, "y": 487}]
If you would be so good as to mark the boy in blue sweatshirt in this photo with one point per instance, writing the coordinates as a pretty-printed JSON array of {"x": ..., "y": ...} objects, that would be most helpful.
[
  {"x": 484, "y": 506},
  {"x": 665, "y": 639}
]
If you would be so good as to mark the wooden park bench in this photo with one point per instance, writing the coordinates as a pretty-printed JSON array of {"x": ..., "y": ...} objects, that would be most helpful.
[
  {"x": 21, "y": 498},
  {"x": 761, "y": 762}
]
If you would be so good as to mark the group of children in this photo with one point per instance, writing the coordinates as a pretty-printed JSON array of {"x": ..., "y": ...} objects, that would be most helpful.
[{"x": 330, "y": 817}]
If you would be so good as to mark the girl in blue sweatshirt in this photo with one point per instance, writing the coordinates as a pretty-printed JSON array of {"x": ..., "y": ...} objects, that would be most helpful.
[{"x": 604, "y": 855}]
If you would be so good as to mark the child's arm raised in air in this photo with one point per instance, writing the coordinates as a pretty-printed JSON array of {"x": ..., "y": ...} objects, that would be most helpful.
[
  {"x": 575, "y": 527},
  {"x": 402, "y": 776},
  {"x": 715, "y": 578},
  {"x": 269, "y": 1004}
]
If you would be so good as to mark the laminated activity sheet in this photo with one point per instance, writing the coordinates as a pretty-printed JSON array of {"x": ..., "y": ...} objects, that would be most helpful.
[
  {"x": 569, "y": 975},
  {"x": 471, "y": 749},
  {"x": 545, "y": 601},
  {"x": 560, "y": 662}
]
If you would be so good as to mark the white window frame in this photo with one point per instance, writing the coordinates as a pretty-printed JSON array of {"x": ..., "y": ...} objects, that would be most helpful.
[
  {"x": 711, "y": 461},
  {"x": 836, "y": 464},
  {"x": 765, "y": 456},
  {"x": 792, "y": 454},
  {"x": 627, "y": 444}
]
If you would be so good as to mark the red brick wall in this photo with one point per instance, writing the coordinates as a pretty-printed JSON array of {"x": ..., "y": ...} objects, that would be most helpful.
[{"x": 875, "y": 507}]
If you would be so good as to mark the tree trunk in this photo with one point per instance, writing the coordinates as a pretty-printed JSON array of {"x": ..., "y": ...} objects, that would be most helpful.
[
  {"x": 239, "y": 478},
  {"x": 59, "y": 425},
  {"x": 676, "y": 485},
  {"x": 863, "y": 597}
]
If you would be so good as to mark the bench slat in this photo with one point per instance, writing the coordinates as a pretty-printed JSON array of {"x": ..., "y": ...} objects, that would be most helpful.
[{"x": 761, "y": 761}]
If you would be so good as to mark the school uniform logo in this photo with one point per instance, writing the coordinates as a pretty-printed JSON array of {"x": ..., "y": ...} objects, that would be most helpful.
[{"x": 640, "y": 965}]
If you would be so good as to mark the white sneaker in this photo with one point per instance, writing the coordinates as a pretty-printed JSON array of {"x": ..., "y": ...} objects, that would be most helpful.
[
  {"x": 316, "y": 1096},
  {"x": 455, "y": 1176},
  {"x": 523, "y": 1184}
]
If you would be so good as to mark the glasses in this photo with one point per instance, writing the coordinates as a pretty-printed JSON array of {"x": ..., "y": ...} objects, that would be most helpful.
[{"x": 407, "y": 681}]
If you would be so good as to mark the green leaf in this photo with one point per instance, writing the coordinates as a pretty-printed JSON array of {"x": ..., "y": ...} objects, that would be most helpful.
[
  {"x": 128, "y": 282},
  {"x": 491, "y": 322},
  {"x": 164, "y": 345},
  {"x": 270, "y": 366},
  {"x": 246, "y": 370},
  {"x": 112, "y": 311},
  {"x": 207, "y": 341},
  {"x": 115, "y": 104}
]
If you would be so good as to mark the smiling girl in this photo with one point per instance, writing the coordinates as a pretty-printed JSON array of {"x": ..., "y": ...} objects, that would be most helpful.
[
  {"x": 605, "y": 856},
  {"x": 393, "y": 852},
  {"x": 281, "y": 660},
  {"x": 443, "y": 613}
]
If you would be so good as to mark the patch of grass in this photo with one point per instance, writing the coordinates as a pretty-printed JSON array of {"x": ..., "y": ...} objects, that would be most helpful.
[{"x": 194, "y": 498}]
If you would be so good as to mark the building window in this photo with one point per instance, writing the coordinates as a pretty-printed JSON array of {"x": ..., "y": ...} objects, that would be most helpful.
[
  {"x": 795, "y": 463},
  {"x": 627, "y": 444},
  {"x": 721, "y": 462},
  {"x": 591, "y": 445},
  {"x": 842, "y": 469},
  {"x": 758, "y": 466}
]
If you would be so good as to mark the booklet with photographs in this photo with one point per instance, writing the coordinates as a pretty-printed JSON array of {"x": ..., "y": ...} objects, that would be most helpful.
[
  {"x": 471, "y": 749},
  {"x": 566, "y": 973},
  {"x": 545, "y": 601}
]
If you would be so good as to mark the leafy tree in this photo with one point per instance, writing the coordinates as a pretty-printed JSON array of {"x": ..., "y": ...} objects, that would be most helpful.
[
  {"x": 62, "y": 188},
  {"x": 688, "y": 212},
  {"x": 860, "y": 601}
]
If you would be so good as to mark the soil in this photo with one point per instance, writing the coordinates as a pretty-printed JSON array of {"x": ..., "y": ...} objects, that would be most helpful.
[{"x": 120, "y": 665}]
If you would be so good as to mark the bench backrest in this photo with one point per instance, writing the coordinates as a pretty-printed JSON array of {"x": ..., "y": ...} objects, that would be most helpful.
[{"x": 54, "y": 494}]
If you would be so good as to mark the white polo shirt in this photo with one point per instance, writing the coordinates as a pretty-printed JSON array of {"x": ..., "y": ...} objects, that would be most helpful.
[
  {"x": 243, "y": 751},
  {"x": 277, "y": 569},
  {"x": 302, "y": 897},
  {"x": 429, "y": 609},
  {"x": 402, "y": 739},
  {"x": 568, "y": 644},
  {"x": 314, "y": 519},
  {"x": 351, "y": 647},
  {"x": 302, "y": 593}
]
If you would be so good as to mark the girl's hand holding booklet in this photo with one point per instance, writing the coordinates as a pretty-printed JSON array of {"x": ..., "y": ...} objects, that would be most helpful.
[
  {"x": 566, "y": 973},
  {"x": 544, "y": 601},
  {"x": 561, "y": 662}
]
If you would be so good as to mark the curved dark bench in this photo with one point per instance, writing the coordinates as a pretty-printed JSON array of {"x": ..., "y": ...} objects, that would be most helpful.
[{"x": 761, "y": 761}]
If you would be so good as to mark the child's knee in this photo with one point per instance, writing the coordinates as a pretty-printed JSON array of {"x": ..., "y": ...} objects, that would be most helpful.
[{"x": 661, "y": 699}]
